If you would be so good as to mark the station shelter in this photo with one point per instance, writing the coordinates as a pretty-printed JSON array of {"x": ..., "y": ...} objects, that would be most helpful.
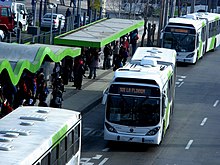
[{"x": 99, "y": 33}]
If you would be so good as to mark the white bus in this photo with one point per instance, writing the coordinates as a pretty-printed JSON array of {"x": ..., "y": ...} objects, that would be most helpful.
[
  {"x": 140, "y": 98},
  {"x": 192, "y": 35},
  {"x": 33, "y": 135}
]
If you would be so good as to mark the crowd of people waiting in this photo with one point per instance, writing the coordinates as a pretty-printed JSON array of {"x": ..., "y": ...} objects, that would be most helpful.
[{"x": 32, "y": 88}]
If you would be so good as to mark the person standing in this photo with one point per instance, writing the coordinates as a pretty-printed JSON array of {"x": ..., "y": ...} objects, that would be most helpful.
[
  {"x": 115, "y": 53},
  {"x": 107, "y": 56},
  {"x": 133, "y": 41},
  {"x": 79, "y": 72},
  {"x": 94, "y": 63}
]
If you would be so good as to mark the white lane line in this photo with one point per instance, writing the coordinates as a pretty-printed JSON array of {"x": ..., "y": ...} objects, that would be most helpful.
[
  {"x": 216, "y": 103},
  {"x": 179, "y": 79},
  {"x": 203, "y": 121},
  {"x": 88, "y": 131},
  {"x": 180, "y": 84},
  {"x": 189, "y": 144},
  {"x": 105, "y": 149},
  {"x": 97, "y": 157},
  {"x": 177, "y": 83},
  {"x": 103, "y": 161},
  {"x": 180, "y": 76}
]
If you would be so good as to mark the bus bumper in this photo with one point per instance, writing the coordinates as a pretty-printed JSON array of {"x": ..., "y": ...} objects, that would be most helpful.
[
  {"x": 132, "y": 138},
  {"x": 187, "y": 60}
]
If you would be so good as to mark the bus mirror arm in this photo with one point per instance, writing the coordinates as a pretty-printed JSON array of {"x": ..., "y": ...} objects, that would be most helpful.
[{"x": 104, "y": 98}]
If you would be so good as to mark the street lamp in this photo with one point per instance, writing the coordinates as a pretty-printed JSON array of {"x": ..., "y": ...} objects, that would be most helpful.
[{"x": 51, "y": 6}]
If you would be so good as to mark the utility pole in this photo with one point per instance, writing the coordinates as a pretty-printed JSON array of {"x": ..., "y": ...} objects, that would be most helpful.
[
  {"x": 209, "y": 5},
  {"x": 179, "y": 8},
  {"x": 161, "y": 21},
  {"x": 166, "y": 12},
  {"x": 173, "y": 7},
  {"x": 193, "y": 2}
]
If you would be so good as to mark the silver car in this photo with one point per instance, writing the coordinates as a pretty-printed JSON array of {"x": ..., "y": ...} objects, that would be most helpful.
[{"x": 46, "y": 21}]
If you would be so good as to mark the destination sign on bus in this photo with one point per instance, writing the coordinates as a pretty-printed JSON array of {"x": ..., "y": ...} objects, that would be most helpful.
[
  {"x": 179, "y": 30},
  {"x": 134, "y": 90}
]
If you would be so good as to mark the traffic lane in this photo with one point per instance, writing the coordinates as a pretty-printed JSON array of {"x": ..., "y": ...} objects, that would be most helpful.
[
  {"x": 194, "y": 128},
  {"x": 181, "y": 144}
]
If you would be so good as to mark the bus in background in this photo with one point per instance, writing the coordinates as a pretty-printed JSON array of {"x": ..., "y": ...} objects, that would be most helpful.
[
  {"x": 32, "y": 135},
  {"x": 192, "y": 35},
  {"x": 140, "y": 98}
]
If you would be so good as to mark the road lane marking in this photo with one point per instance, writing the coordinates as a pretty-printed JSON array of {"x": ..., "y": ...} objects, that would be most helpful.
[
  {"x": 189, "y": 144},
  {"x": 216, "y": 103},
  {"x": 180, "y": 84},
  {"x": 203, "y": 121},
  {"x": 97, "y": 157},
  {"x": 103, "y": 161},
  {"x": 180, "y": 79},
  {"x": 105, "y": 149}
]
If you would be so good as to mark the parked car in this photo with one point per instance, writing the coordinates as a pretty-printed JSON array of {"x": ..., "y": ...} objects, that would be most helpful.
[{"x": 46, "y": 21}]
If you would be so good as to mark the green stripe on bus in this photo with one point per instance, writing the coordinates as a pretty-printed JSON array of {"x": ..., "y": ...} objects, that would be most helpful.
[
  {"x": 200, "y": 50},
  {"x": 217, "y": 18},
  {"x": 212, "y": 43},
  {"x": 57, "y": 137},
  {"x": 167, "y": 117}
]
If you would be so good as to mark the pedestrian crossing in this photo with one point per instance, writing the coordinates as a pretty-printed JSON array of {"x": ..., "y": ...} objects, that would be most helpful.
[
  {"x": 92, "y": 132},
  {"x": 180, "y": 80}
]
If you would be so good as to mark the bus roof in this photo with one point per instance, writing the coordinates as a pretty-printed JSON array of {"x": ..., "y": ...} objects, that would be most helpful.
[
  {"x": 38, "y": 127},
  {"x": 209, "y": 16},
  {"x": 196, "y": 23},
  {"x": 162, "y": 54},
  {"x": 147, "y": 63}
]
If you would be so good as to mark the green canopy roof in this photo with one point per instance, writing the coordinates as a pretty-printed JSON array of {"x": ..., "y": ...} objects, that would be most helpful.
[
  {"x": 99, "y": 33},
  {"x": 17, "y": 57}
]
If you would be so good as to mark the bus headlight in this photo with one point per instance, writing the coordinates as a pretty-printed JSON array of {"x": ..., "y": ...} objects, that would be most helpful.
[
  {"x": 190, "y": 55},
  {"x": 110, "y": 128},
  {"x": 153, "y": 131}
]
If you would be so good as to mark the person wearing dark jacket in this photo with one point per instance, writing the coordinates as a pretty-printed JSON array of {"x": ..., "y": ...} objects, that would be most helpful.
[{"x": 79, "y": 71}]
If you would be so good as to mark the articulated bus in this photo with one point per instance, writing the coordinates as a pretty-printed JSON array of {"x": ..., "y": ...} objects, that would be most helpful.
[
  {"x": 192, "y": 35},
  {"x": 140, "y": 99},
  {"x": 32, "y": 135}
]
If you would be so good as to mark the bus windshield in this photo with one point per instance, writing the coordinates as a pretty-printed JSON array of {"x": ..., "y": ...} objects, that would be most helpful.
[
  {"x": 133, "y": 111},
  {"x": 180, "y": 42}
]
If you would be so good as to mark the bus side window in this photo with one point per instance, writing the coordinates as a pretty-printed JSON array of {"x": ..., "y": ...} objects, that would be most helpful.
[
  {"x": 62, "y": 151},
  {"x": 54, "y": 155},
  {"x": 45, "y": 160},
  {"x": 197, "y": 40},
  {"x": 69, "y": 146}
]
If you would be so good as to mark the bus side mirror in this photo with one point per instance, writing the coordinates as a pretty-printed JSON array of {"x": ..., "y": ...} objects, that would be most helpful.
[
  {"x": 104, "y": 97},
  {"x": 164, "y": 100},
  {"x": 164, "y": 104}
]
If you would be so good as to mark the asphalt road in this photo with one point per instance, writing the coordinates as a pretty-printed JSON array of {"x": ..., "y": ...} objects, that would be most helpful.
[{"x": 194, "y": 134}]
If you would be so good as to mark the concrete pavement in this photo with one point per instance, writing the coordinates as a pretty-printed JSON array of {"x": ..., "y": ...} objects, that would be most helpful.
[{"x": 91, "y": 93}]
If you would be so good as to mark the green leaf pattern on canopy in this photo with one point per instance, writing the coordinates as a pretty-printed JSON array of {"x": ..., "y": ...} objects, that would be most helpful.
[{"x": 16, "y": 68}]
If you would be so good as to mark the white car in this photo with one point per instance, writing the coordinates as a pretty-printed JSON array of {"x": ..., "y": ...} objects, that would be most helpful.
[{"x": 46, "y": 21}]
